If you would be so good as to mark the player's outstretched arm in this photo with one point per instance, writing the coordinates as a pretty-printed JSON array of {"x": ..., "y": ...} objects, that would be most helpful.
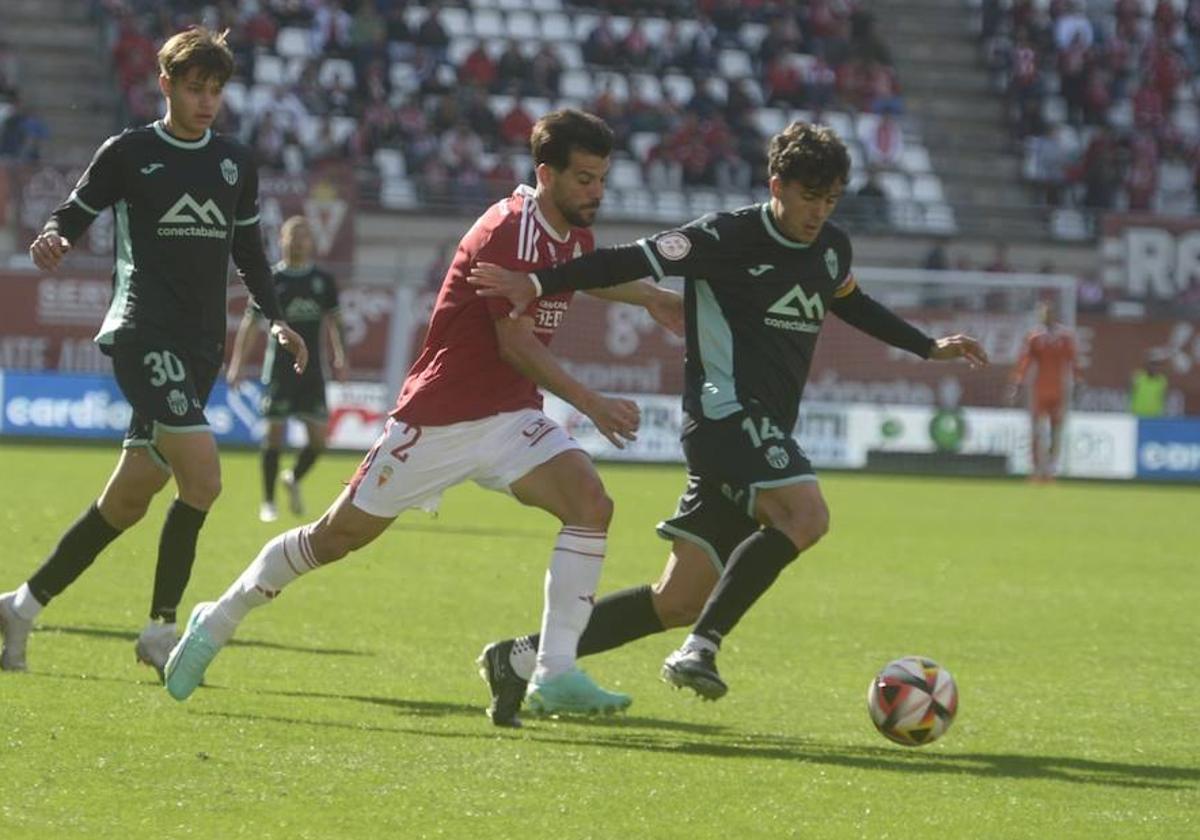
[
  {"x": 664, "y": 305},
  {"x": 959, "y": 346},
  {"x": 599, "y": 269}
]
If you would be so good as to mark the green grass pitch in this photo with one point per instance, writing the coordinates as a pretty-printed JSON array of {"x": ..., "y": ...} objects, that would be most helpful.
[{"x": 1069, "y": 614}]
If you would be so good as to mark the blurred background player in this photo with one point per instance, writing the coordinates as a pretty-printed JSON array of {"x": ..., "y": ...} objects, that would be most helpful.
[
  {"x": 759, "y": 283},
  {"x": 184, "y": 200},
  {"x": 309, "y": 299},
  {"x": 1148, "y": 387},
  {"x": 1050, "y": 349},
  {"x": 470, "y": 410}
]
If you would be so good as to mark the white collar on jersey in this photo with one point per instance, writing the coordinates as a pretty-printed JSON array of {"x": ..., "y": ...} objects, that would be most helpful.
[
  {"x": 183, "y": 144},
  {"x": 530, "y": 196}
]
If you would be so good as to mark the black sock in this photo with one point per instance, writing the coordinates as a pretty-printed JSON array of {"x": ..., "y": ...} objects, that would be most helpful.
[
  {"x": 617, "y": 619},
  {"x": 752, "y": 568},
  {"x": 304, "y": 461},
  {"x": 75, "y": 551},
  {"x": 176, "y": 553},
  {"x": 270, "y": 470}
]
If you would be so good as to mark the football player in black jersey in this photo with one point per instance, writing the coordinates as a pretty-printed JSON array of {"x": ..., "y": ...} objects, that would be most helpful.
[
  {"x": 759, "y": 283},
  {"x": 309, "y": 299},
  {"x": 184, "y": 200}
]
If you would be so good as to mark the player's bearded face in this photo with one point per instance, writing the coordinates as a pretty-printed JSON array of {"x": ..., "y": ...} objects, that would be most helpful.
[
  {"x": 578, "y": 190},
  {"x": 802, "y": 210},
  {"x": 193, "y": 101}
]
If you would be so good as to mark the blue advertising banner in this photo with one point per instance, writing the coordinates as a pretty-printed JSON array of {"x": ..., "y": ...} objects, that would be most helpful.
[
  {"x": 57, "y": 405},
  {"x": 1169, "y": 448}
]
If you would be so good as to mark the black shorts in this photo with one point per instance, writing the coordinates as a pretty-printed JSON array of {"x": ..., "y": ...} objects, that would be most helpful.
[
  {"x": 289, "y": 394},
  {"x": 167, "y": 388},
  {"x": 745, "y": 453},
  {"x": 708, "y": 519}
]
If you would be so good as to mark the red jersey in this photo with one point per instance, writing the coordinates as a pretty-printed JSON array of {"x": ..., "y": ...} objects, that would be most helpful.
[
  {"x": 459, "y": 374},
  {"x": 1053, "y": 351}
]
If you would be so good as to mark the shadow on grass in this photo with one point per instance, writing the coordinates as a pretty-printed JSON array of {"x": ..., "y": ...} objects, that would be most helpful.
[
  {"x": 131, "y": 636},
  {"x": 429, "y": 708},
  {"x": 619, "y": 733}
]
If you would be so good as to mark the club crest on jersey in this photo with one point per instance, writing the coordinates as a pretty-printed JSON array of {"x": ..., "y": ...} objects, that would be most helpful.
[
  {"x": 229, "y": 171},
  {"x": 177, "y": 402},
  {"x": 831, "y": 262},
  {"x": 778, "y": 457},
  {"x": 385, "y": 475},
  {"x": 673, "y": 246}
]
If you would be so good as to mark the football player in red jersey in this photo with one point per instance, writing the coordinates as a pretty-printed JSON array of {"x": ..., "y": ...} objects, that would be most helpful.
[{"x": 470, "y": 409}]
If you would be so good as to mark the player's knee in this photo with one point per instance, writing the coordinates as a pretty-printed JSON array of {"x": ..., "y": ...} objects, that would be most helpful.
[
  {"x": 805, "y": 527},
  {"x": 677, "y": 608},
  {"x": 124, "y": 510},
  {"x": 202, "y": 492},
  {"x": 592, "y": 507}
]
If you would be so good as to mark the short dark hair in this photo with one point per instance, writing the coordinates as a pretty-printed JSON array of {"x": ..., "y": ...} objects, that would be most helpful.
[
  {"x": 199, "y": 47},
  {"x": 813, "y": 155},
  {"x": 560, "y": 132}
]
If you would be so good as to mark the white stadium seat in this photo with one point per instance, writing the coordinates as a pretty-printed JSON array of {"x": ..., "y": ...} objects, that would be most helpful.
[
  {"x": 488, "y": 23},
  {"x": 895, "y": 185},
  {"x": 734, "y": 64},
  {"x": 576, "y": 84},
  {"x": 523, "y": 26},
  {"x": 679, "y": 87},
  {"x": 336, "y": 69},
  {"x": 268, "y": 70},
  {"x": 927, "y": 188},
  {"x": 556, "y": 28},
  {"x": 293, "y": 42},
  {"x": 625, "y": 174},
  {"x": 456, "y": 21}
]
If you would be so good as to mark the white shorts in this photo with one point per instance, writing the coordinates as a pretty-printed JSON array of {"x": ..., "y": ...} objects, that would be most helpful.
[{"x": 410, "y": 466}]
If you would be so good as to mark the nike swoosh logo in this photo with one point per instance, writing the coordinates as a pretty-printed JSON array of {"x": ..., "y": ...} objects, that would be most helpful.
[
  {"x": 146, "y": 170},
  {"x": 760, "y": 270}
]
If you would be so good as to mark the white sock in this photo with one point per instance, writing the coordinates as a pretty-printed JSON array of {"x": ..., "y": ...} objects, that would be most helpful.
[
  {"x": 694, "y": 642},
  {"x": 570, "y": 591},
  {"x": 280, "y": 562},
  {"x": 523, "y": 657},
  {"x": 25, "y": 605}
]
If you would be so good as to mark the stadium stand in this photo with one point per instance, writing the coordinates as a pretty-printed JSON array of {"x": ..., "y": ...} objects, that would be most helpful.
[
  {"x": 1103, "y": 98},
  {"x": 22, "y": 129},
  {"x": 435, "y": 100}
]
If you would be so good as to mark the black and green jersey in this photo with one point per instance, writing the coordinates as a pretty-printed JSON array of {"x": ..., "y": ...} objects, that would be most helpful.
[
  {"x": 306, "y": 295},
  {"x": 755, "y": 302},
  {"x": 181, "y": 209}
]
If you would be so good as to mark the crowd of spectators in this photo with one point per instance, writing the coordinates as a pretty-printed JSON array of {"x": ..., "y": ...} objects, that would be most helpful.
[
  {"x": 1102, "y": 100},
  {"x": 456, "y": 123},
  {"x": 22, "y": 130}
]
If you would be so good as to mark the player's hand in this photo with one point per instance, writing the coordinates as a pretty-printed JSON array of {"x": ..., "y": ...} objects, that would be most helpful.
[
  {"x": 48, "y": 250},
  {"x": 960, "y": 347},
  {"x": 233, "y": 375},
  {"x": 615, "y": 418},
  {"x": 491, "y": 280},
  {"x": 291, "y": 341},
  {"x": 666, "y": 308}
]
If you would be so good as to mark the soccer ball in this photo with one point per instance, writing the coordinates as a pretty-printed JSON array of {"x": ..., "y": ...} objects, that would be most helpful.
[{"x": 912, "y": 701}]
